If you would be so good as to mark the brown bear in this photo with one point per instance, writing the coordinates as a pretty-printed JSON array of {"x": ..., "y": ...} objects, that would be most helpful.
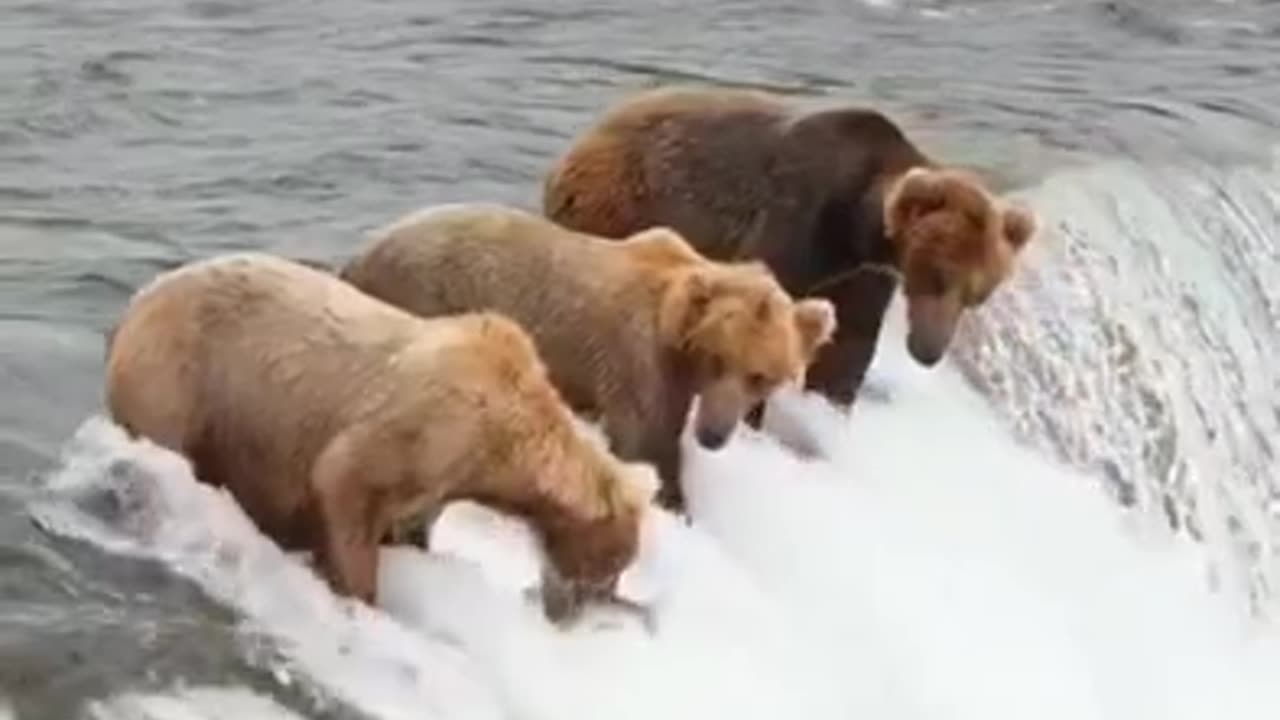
[
  {"x": 631, "y": 331},
  {"x": 838, "y": 203},
  {"x": 331, "y": 416}
]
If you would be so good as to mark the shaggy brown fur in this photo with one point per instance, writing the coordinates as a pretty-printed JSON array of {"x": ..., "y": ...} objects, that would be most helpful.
[
  {"x": 331, "y": 416},
  {"x": 630, "y": 331},
  {"x": 827, "y": 199}
]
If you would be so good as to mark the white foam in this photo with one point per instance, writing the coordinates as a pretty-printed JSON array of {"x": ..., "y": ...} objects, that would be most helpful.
[
  {"x": 923, "y": 567},
  {"x": 355, "y": 653},
  {"x": 197, "y": 703}
]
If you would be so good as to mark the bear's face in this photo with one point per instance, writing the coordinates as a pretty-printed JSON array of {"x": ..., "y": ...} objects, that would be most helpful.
[
  {"x": 589, "y": 551},
  {"x": 585, "y": 563},
  {"x": 745, "y": 336},
  {"x": 956, "y": 243}
]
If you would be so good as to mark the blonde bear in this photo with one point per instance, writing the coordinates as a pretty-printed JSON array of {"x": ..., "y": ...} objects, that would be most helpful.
[
  {"x": 631, "y": 332},
  {"x": 331, "y": 417}
]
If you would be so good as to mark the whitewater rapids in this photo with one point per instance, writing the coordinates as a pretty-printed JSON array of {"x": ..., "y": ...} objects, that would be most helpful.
[{"x": 923, "y": 565}]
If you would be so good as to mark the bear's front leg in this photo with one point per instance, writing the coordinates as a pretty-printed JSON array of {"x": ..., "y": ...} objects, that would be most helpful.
[
  {"x": 838, "y": 372},
  {"x": 861, "y": 300},
  {"x": 671, "y": 496},
  {"x": 346, "y": 543},
  {"x": 663, "y": 451},
  {"x": 415, "y": 531},
  {"x": 633, "y": 440}
]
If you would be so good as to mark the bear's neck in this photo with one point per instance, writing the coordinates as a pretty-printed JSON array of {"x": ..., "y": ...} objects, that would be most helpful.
[
  {"x": 850, "y": 157},
  {"x": 871, "y": 246},
  {"x": 879, "y": 248}
]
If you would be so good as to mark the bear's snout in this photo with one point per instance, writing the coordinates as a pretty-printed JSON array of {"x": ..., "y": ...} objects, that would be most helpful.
[
  {"x": 923, "y": 351},
  {"x": 713, "y": 438},
  {"x": 721, "y": 406},
  {"x": 931, "y": 324}
]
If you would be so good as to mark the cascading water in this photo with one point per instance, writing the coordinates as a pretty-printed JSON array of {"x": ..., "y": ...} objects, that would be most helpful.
[
  {"x": 925, "y": 564},
  {"x": 990, "y": 539},
  {"x": 1143, "y": 347}
]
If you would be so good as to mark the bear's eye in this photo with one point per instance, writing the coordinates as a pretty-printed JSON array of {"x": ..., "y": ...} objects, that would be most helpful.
[
  {"x": 757, "y": 381},
  {"x": 977, "y": 291},
  {"x": 979, "y": 296},
  {"x": 715, "y": 365}
]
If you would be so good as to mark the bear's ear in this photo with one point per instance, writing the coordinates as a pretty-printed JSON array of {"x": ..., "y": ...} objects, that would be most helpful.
[
  {"x": 1020, "y": 224},
  {"x": 684, "y": 304},
  {"x": 917, "y": 193},
  {"x": 663, "y": 246},
  {"x": 695, "y": 297},
  {"x": 816, "y": 323}
]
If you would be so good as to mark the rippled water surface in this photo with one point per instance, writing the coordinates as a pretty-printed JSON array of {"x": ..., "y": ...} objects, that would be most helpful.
[{"x": 135, "y": 135}]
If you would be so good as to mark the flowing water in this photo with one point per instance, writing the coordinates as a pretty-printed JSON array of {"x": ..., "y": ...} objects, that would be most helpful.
[{"x": 1076, "y": 516}]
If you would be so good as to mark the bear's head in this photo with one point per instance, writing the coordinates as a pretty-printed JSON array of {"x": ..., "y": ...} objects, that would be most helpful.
[
  {"x": 955, "y": 244},
  {"x": 589, "y": 548},
  {"x": 743, "y": 337}
]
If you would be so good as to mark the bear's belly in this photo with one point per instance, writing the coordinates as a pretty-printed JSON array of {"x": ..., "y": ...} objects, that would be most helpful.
[{"x": 274, "y": 495}]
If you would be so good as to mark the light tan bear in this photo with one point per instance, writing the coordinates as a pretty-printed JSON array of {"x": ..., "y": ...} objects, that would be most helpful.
[
  {"x": 631, "y": 331},
  {"x": 331, "y": 417}
]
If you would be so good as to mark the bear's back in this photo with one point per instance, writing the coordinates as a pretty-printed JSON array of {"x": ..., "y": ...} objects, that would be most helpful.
[
  {"x": 584, "y": 300},
  {"x": 661, "y": 104},
  {"x": 458, "y": 258},
  {"x": 254, "y": 297},
  {"x": 251, "y": 335}
]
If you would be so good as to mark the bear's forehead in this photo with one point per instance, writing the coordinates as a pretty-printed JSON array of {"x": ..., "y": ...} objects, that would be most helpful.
[
  {"x": 969, "y": 243},
  {"x": 754, "y": 292},
  {"x": 966, "y": 193}
]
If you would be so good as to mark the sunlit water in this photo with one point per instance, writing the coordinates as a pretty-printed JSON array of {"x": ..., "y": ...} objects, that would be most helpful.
[{"x": 1075, "y": 516}]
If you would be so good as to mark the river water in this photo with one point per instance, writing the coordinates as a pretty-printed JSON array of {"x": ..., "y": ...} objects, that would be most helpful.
[{"x": 1136, "y": 347}]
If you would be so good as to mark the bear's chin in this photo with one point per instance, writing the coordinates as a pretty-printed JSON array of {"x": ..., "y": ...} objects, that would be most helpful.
[{"x": 713, "y": 439}]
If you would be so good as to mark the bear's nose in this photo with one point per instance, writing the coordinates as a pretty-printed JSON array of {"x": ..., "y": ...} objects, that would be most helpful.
[
  {"x": 925, "y": 352},
  {"x": 712, "y": 438}
]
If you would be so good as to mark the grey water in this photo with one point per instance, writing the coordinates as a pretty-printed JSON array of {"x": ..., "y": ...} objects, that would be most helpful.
[{"x": 139, "y": 134}]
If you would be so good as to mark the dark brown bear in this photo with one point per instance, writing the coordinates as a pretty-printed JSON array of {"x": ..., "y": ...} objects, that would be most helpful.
[{"x": 838, "y": 203}]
